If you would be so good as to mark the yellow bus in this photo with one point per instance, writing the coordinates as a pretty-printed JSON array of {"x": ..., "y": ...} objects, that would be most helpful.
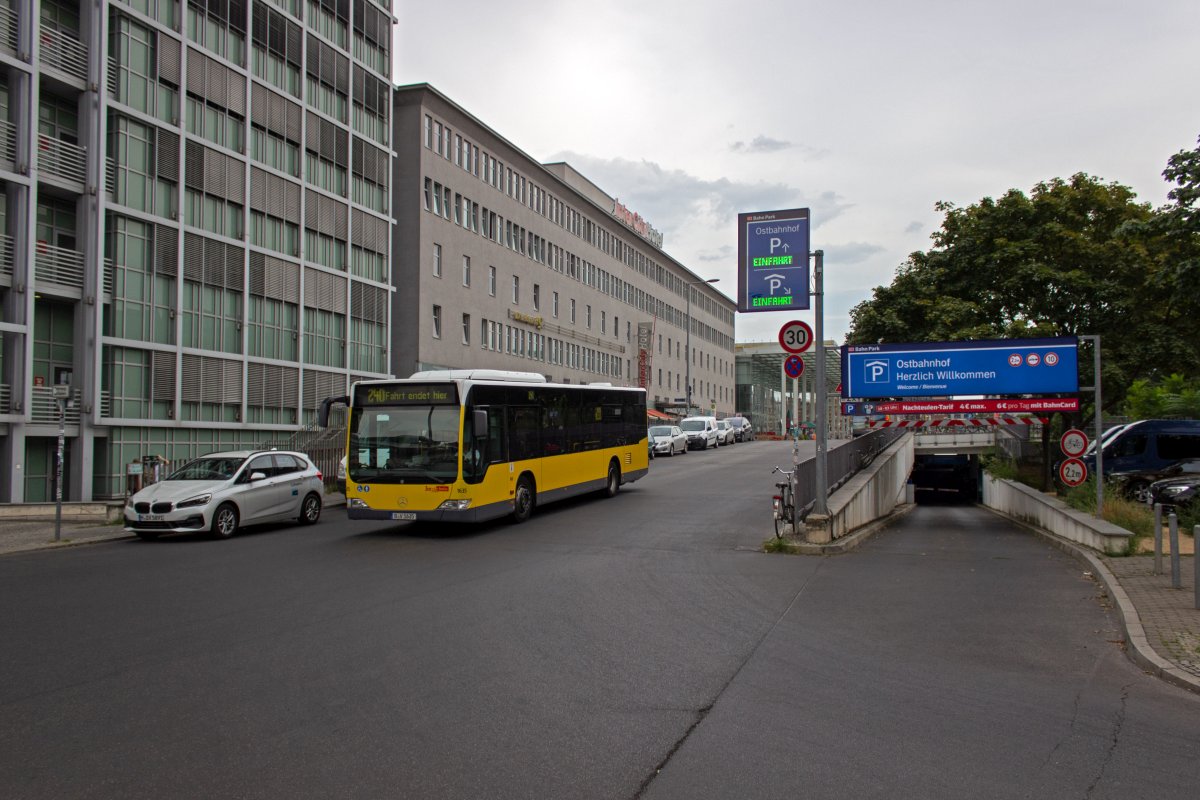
[{"x": 474, "y": 445}]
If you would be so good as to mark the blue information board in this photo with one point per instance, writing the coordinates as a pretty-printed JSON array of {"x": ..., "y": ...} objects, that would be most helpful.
[
  {"x": 773, "y": 260},
  {"x": 950, "y": 369}
]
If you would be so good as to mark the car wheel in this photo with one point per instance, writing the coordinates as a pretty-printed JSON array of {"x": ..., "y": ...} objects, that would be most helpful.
[
  {"x": 523, "y": 500},
  {"x": 613, "y": 484},
  {"x": 225, "y": 521},
  {"x": 147, "y": 536},
  {"x": 1140, "y": 492},
  {"x": 310, "y": 509}
]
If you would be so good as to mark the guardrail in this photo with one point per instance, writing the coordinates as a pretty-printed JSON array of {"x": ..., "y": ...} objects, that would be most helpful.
[
  {"x": 64, "y": 52},
  {"x": 841, "y": 464},
  {"x": 6, "y": 258},
  {"x": 45, "y": 407},
  {"x": 8, "y": 29},
  {"x": 62, "y": 159},
  {"x": 8, "y": 144},
  {"x": 58, "y": 265}
]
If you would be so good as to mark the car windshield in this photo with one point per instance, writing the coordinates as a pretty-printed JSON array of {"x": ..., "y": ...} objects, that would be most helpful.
[
  {"x": 736, "y": 421},
  {"x": 207, "y": 469},
  {"x": 408, "y": 444},
  {"x": 660, "y": 430},
  {"x": 692, "y": 424}
]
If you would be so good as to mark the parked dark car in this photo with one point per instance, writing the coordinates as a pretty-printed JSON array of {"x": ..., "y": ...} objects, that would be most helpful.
[
  {"x": 1147, "y": 446},
  {"x": 1136, "y": 484},
  {"x": 1175, "y": 492}
]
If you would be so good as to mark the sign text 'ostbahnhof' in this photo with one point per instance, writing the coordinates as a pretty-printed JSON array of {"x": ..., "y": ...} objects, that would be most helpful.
[
  {"x": 773, "y": 260},
  {"x": 947, "y": 369}
]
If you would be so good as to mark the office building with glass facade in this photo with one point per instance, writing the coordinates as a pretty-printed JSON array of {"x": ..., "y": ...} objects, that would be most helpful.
[
  {"x": 196, "y": 227},
  {"x": 504, "y": 262}
]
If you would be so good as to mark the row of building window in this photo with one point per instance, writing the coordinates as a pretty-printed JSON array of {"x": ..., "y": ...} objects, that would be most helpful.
[{"x": 454, "y": 147}]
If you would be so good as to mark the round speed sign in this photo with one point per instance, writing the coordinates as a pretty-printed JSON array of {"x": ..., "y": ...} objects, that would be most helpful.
[
  {"x": 1073, "y": 443},
  {"x": 795, "y": 336},
  {"x": 1072, "y": 472}
]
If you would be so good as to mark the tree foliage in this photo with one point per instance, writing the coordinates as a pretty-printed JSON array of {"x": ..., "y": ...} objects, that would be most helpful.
[{"x": 1072, "y": 257}]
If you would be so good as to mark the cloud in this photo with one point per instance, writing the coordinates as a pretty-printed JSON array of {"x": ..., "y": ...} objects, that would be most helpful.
[
  {"x": 760, "y": 144},
  {"x": 852, "y": 252},
  {"x": 914, "y": 227}
]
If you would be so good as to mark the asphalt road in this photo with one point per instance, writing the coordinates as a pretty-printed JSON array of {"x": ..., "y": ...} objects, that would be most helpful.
[{"x": 634, "y": 647}]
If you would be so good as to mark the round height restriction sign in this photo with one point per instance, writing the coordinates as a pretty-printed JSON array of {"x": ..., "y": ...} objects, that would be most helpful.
[
  {"x": 1073, "y": 443},
  {"x": 1072, "y": 472},
  {"x": 795, "y": 336}
]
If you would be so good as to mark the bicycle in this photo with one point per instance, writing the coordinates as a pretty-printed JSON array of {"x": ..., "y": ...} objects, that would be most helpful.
[{"x": 783, "y": 504}]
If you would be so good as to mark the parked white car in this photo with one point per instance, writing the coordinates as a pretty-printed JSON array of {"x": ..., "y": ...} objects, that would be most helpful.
[
  {"x": 701, "y": 432},
  {"x": 668, "y": 440},
  {"x": 221, "y": 492},
  {"x": 725, "y": 432}
]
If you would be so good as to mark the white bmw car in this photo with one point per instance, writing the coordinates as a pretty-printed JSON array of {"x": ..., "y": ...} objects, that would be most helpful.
[{"x": 221, "y": 492}]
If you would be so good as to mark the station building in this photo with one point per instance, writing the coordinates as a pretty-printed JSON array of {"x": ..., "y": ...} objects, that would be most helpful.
[
  {"x": 508, "y": 263},
  {"x": 195, "y": 227}
]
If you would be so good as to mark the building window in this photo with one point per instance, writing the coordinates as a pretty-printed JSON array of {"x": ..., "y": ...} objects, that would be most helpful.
[
  {"x": 466, "y": 329},
  {"x": 466, "y": 270},
  {"x": 604, "y": 322},
  {"x": 572, "y": 310},
  {"x": 437, "y": 322},
  {"x": 554, "y": 305},
  {"x": 537, "y": 297},
  {"x": 492, "y": 281},
  {"x": 589, "y": 316},
  {"x": 516, "y": 294},
  {"x": 437, "y": 261}
]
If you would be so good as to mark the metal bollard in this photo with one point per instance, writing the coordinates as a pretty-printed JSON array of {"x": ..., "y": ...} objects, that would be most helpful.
[
  {"x": 1158, "y": 539},
  {"x": 1173, "y": 532}
]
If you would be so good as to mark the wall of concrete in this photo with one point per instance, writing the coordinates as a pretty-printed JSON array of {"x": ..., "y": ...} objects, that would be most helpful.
[
  {"x": 1030, "y": 506},
  {"x": 870, "y": 495}
]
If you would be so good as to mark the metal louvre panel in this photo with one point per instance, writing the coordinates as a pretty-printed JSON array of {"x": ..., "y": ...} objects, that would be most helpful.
[
  {"x": 197, "y": 72},
  {"x": 231, "y": 382},
  {"x": 216, "y": 175},
  {"x": 325, "y": 215},
  {"x": 341, "y": 73},
  {"x": 255, "y": 383},
  {"x": 235, "y": 268},
  {"x": 281, "y": 280},
  {"x": 235, "y": 87},
  {"x": 370, "y": 162},
  {"x": 258, "y": 188},
  {"x": 368, "y": 302},
  {"x": 369, "y": 232},
  {"x": 194, "y": 165},
  {"x": 289, "y": 386},
  {"x": 295, "y": 45},
  {"x": 166, "y": 250},
  {"x": 210, "y": 380},
  {"x": 218, "y": 83},
  {"x": 162, "y": 375},
  {"x": 193, "y": 257},
  {"x": 169, "y": 54},
  {"x": 318, "y": 385},
  {"x": 191, "y": 379},
  {"x": 258, "y": 274},
  {"x": 324, "y": 291},
  {"x": 259, "y": 15},
  {"x": 166, "y": 149}
]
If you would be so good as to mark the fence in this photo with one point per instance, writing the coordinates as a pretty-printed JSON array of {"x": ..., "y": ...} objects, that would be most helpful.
[{"x": 841, "y": 464}]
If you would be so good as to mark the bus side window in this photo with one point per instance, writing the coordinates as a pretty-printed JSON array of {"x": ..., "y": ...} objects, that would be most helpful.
[{"x": 497, "y": 442}]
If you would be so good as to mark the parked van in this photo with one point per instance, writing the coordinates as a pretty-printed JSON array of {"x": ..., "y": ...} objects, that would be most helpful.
[
  {"x": 1149, "y": 445},
  {"x": 701, "y": 432}
]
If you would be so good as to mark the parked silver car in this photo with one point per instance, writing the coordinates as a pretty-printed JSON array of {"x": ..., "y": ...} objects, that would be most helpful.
[
  {"x": 668, "y": 440},
  {"x": 221, "y": 492},
  {"x": 725, "y": 432}
]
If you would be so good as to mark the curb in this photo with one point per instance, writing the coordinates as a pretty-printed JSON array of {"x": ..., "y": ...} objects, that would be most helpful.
[
  {"x": 1139, "y": 648},
  {"x": 843, "y": 545}
]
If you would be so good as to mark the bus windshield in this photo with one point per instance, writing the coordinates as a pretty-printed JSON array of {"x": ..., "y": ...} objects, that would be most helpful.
[{"x": 403, "y": 444}]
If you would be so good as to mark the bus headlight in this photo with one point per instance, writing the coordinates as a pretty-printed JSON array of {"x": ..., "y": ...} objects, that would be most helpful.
[
  {"x": 454, "y": 505},
  {"x": 354, "y": 502}
]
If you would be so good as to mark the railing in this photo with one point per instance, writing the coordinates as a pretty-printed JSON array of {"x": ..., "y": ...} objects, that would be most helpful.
[
  {"x": 107, "y": 278},
  {"x": 841, "y": 463},
  {"x": 105, "y": 404},
  {"x": 65, "y": 53},
  {"x": 58, "y": 265},
  {"x": 8, "y": 142},
  {"x": 5, "y": 398},
  {"x": 6, "y": 258},
  {"x": 8, "y": 29},
  {"x": 62, "y": 159},
  {"x": 45, "y": 407}
]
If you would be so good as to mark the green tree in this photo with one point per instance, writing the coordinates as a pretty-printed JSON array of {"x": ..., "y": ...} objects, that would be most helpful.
[{"x": 1176, "y": 397}]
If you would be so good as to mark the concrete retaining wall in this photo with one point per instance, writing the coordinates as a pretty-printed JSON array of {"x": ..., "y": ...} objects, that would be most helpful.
[
  {"x": 1051, "y": 514},
  {"x": 871, "y": 494},
  {"x": 96, "y": 513}
]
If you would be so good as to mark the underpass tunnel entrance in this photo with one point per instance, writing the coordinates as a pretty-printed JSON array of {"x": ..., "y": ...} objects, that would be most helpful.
[{"x": 945, "y": 478}]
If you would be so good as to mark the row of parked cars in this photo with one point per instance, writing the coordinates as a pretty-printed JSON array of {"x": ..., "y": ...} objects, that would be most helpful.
[{"x": 698, "y": 433}]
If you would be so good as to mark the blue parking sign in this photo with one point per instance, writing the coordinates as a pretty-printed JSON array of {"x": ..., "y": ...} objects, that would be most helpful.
[{"x": 773, "y": 260}]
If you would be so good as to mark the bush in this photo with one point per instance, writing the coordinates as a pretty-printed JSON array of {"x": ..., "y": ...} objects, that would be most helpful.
[{"x": 1137, "y": 518}]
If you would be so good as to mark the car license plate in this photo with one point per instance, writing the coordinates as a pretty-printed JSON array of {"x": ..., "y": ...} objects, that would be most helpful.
[
  {"x": 151, "y": 517},
  {"x": 403, "y": 515}
]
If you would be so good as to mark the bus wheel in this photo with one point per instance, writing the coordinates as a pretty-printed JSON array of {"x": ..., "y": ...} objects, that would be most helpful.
[
  {"x": 613, "y": 484},
  {"x": 523, "y": 500}
]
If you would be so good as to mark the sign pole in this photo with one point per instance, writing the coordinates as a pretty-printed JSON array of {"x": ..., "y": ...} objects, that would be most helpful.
[
  {"x": 1095, "y": 340},
  {"x": 821, "y": 505}
]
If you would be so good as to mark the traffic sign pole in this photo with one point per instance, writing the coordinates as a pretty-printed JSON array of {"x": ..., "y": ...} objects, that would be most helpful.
[{"x": 821, "y": 505}]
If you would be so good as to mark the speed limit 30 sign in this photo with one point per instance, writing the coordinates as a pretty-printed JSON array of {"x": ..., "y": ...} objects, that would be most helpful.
[{"x": 795, "y": 336}]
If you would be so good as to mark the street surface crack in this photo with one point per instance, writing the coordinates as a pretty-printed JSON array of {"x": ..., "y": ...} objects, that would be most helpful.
[{"x": 1118, "y": 724}]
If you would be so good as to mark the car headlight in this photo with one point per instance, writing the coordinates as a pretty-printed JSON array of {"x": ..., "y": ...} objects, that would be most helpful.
[
  {"x": 1171, "y": 491},
  {"x": 193, "y": 502}
]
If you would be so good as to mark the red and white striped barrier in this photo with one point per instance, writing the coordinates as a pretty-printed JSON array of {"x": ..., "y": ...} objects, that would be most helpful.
[{"x": 950, "y": 423}]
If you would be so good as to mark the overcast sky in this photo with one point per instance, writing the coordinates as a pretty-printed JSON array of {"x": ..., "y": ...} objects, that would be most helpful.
[{"x": 866, "y": 112}]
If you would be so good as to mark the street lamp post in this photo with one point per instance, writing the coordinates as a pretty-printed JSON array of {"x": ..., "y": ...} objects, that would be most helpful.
[{"x": 687, "y": 327}]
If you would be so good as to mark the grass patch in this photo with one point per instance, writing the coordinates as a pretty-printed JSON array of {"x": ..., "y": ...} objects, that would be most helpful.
[{"x": 1135, "y": 517}]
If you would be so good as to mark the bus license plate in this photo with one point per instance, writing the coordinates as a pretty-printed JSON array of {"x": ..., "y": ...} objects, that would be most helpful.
[{"x": 403, "y": 515}]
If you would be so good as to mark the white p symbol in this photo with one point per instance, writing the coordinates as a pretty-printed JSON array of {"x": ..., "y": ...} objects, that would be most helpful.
[{"x": 775, "y": 242}]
